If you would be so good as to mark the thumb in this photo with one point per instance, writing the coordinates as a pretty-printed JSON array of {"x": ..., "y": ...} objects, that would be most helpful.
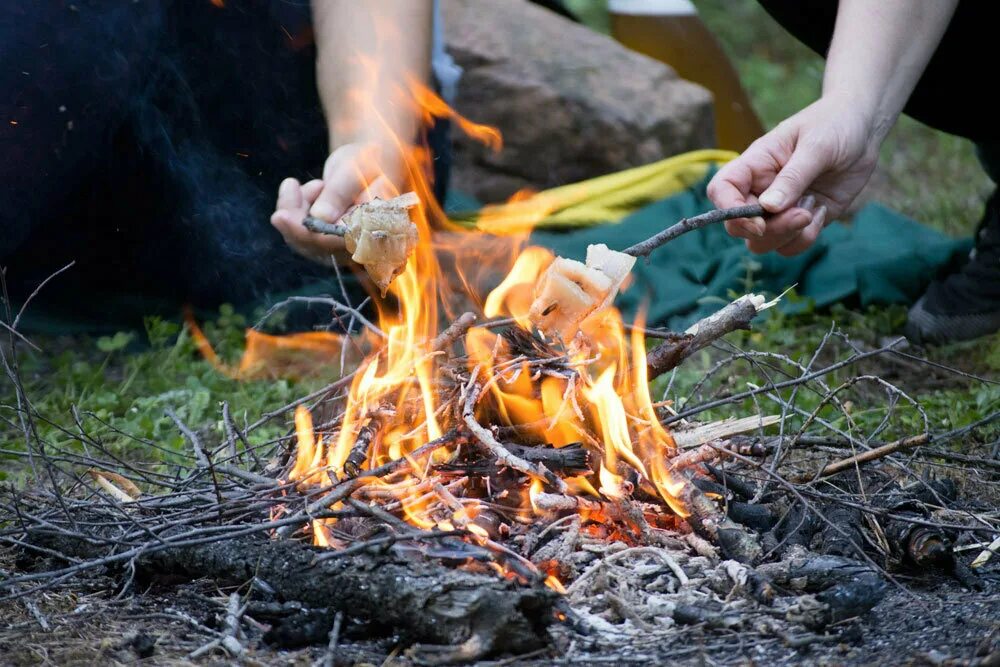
[
  {"x": 346, "y": 174},
  {"x": 793, "y": 180}
]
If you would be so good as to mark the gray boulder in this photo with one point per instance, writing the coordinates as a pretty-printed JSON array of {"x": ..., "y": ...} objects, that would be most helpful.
[{"x": 571, "y": 103}]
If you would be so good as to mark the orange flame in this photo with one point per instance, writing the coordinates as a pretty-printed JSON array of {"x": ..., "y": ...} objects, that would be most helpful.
[{"x": 600, "y": 396}]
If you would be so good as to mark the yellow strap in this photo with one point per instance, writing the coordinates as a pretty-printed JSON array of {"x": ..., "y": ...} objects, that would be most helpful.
[{"x": 598, "y": 200}]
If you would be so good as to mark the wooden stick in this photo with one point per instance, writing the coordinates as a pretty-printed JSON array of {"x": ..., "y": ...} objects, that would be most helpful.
[
  {"x": 455, "y": 330},
  {"x": 736, "y": 315},
  {"x": 643, "y": 248},
  {"x": 318, "y": 226},
  {"x": 875, "y": 454}
]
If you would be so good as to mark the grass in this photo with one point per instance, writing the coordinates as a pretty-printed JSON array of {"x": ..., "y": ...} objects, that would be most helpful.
[{"x": 123, "y": 384}]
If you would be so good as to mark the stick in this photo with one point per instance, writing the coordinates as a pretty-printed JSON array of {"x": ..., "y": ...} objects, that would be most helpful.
[
  {"x": 736, "y": 315},
  {"x": 643, "y": 248},
  {"x": 359, "y": 452},
  {"x": 503, "y": 456},
  {"x": 454, "y": 331},
  {"x": 875, "y": 454},
  {"x": 318, "y": 226}
]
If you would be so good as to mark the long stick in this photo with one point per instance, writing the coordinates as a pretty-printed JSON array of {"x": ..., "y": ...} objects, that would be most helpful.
[
  {"x": 686, "y": 225},
  {"x": 875, "y": 454}
]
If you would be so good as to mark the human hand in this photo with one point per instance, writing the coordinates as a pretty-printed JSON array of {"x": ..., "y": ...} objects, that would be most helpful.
[
  {"x": 805, "y": 172},
  {"x": 351, "y": 175}
]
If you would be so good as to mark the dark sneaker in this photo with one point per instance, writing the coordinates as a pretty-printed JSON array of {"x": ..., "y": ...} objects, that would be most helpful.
[{"x": 965, "y": 304}]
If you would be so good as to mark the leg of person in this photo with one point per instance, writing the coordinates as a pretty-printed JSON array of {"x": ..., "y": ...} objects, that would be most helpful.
[
  {"x": 964, "y": 304},
  {"x": 67, "y": 73}
]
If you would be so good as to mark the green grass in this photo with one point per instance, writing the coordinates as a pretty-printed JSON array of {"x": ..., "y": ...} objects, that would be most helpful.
[{"x": 122, "y": 386}]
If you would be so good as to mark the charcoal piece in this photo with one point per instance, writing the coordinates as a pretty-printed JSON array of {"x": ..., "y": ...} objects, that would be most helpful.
[
  {"x": 840, "y": 534},
  {"x": 740, "y": 487},
  {"x": 755, "y": 517},
  {"x": 795, "y": 529}
]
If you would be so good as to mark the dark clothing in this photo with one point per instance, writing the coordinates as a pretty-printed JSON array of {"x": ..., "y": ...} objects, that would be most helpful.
[
  {"x": 953, "y": 93},
  {"x": 146, "y": 140}
]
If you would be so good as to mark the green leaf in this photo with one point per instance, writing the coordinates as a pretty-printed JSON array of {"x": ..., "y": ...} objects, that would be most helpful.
[{"x": 115, "y": 343}]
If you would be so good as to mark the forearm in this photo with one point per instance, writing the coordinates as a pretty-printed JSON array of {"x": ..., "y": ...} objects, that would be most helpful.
[
  {"x": 367, "y": 52},
  {"x": 880, "y": 50}
]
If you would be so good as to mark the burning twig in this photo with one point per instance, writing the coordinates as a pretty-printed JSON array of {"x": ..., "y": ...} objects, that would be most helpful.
[
  {"x": 455, "y": 330},
  {"x": 503, "y": 456}
]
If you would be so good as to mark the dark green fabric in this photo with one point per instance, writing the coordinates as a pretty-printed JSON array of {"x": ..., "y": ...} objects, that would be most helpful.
[{"x": 881, "y": 258}]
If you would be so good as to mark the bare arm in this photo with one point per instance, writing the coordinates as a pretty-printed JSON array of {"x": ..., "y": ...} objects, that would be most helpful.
[
  {"x": 880, "y": 50},
  {"x": 812, "y": 166},
  {"x": 367, "y": 51}
]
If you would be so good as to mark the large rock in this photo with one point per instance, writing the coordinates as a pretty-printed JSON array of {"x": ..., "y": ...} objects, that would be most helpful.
[{"x": 571, "y": 103}]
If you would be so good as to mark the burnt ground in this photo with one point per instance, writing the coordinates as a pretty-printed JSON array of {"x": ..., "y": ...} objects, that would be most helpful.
[{"x": 928, "y": 620}]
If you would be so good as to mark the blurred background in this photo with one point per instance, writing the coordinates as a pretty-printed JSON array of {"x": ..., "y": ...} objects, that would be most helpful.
[{"x": 929, "y": 176}]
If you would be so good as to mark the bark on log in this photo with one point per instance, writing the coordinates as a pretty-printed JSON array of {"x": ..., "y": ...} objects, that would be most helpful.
[{"x": 475, "y": 614}]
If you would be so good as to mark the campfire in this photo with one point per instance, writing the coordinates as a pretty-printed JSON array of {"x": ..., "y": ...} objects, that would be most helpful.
[{"x": 495, "y": 470}]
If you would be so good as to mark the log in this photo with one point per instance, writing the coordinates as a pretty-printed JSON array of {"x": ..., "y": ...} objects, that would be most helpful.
[
  {"x": 474, "y": 615},
  {"x": 839, "y": 588}
]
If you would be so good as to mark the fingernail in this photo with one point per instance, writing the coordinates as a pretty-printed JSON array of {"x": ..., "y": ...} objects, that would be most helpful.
[
  {"x": 772, "y": 199},
  {"x": 323, "y": 211},
  {"x": 820, "y": 217},
  {"x": 807, "y": 202},
  {"x": 758, "y": 225}
]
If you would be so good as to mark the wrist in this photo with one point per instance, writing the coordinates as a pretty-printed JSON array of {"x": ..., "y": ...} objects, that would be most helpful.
[{"x": 871, "y": 118}]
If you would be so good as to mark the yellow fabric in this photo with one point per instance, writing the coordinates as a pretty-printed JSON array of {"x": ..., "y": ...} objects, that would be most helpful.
[{"x": 599, "y": 200}]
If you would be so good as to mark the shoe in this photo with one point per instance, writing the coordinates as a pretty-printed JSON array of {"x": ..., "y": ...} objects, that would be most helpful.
[{"x": 965, "y": 304}]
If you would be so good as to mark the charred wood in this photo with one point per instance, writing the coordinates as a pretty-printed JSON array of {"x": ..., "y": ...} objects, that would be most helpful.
[
  {"x": 475, "y": 614},
  {"x": 711, "y": 524}
]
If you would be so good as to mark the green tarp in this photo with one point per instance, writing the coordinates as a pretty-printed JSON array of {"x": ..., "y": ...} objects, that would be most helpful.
[{"x": 880, "y": 258}]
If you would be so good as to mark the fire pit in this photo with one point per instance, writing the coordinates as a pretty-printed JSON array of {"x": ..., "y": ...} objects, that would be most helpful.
[{"x": 483, "y": 488}]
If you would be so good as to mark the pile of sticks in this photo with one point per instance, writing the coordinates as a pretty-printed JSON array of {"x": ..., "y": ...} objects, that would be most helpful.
[{"x": 231, "y": 513}]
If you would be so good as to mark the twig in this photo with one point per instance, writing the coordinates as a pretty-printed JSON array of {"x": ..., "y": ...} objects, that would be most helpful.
[
  {"x": 643, "y": 248},
  {"x": 736, "y": 315},
  {"x": 318, "y": 226},
  {"x": 331, "y": 647},
  {"x": 875, "y": 454},
  {"x": 192, "y": 437},
  {"x": 736, "y": 398},
  {"x": 503, "y": 455},
  {"x": 454, "y": 331}
]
